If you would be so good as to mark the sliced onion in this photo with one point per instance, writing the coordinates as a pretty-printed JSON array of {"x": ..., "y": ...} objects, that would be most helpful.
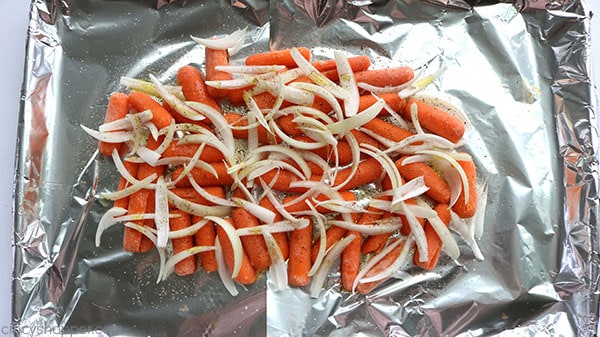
[
  {"x": 278, "y": 206},
  {"x": 462, "y": 228},
  {"x": 298, "y": 110},
  {"x": 253, "y": 70},
  {"x": 274, "y": 227},
  {"x": 197, "y": 209},
  {"x": 226, "y": 42},
  {"x": 384, "y": 90},
  {"x": 286, "y": 151},
  {"x": 205, "y": 138},
  {"x": 288, "y": 93},
  {"x": 124, "y": 123},
  {"x": 209, "y": 197},
  {"x": 395, "y": 266},
  {"x": 416, "y": 231},
  {"x": 373, "y": 261},
  {"x": 175, "y": 103},
  {"x": 319, "y": 219},
  {"x": 448, "y": 173},
  {"x": 148, "y": 87},
  {"x": 355, "y": 150},
  {"x": 169, "y": 132},
  {"x": 129, "y": 190},
  {"x": 389, "y": 167},
  {"x": 264, "y": 166},
  {"x": 277, "y": 270},
  {"x": 221, "y": 126},
  {"x": 182, "y": 255},
  {"x": 322, "y": 93},
  {"x": 109, "y": 137},
  {"x": 190, "y": 165},
  {"x": 316, "y": 76},
  {"x": 354, "y": 122},
  {"x": 107, "y": 220},
  {"x": 293, "y": 142},
  {"x": 121, "y": 167},
  {"x": 388, "y": 225},
  {"x": 148, "y": 156},
  {"x": 263, "y": 214},
  {"x": 236, "y": 243},
  {"x": 141, "y": 216},
  {"x": 188, "y": 231},
  {"x": 455, "y": 164},
  {"x": 236, "y": 83},
  {"x": 421, "y": 84},
  {"x": 162, "y": 212},
  {"x": 414, "y": 117},
  {"x": 222, "y": 270},
  {"x": 340, "y": 206},
  {"x": 347, "y": 81},
  {"x": 479, "y": 217},
  {"x": 332, "y": 255},
  {"x": 429, "y": 141}
]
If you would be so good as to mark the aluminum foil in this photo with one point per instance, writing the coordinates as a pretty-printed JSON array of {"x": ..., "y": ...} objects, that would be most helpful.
[{"x": 521, "y": 71}]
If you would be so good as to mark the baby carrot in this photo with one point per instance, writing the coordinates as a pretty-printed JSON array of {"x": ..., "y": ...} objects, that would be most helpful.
[
  {"x": 280, "y": 238},
  {"x": 332, "y": 235},
  {"x": 247, "y": 274},
  {"x": 375, "y": 243},
  {"x": 213, "y": 59},
  {"x": 434, "y": 243},
  {"x": 188, "y": 265},
  {"x": 367, "y": 172},
  {"x": 140, "y": 101},
  {"x": 299, "y": 263},
  {"x": 387, "y": 130},
  {"x": 438, "y": 188},
  {"x": 237, "y": 120},
  {"x": 287, "y": 124},
  {"x": 365, "y": 288},
  {"x": 350, "y": 260},
  {"x": 118, "y": 107},
  {"x": 146, "y": 244},
  {"x": 209, "y": 153},
  {"x": 193, "y": 86},
  {"x": 467, "y": 210},
  {"x": 204, "y": 177},
  {"x": 206, "y": 236},
  {"x": 392, "y": 99},
  {"x": 189, "y": 193},
  {"x": 255, "y": 245},
  {"x": 405, "y": 229},
  {"x": 132, "y": 168},
  {"x": 385, "y": 77},
  {"x": 357, "y": 63},
  {"x": 277, "y": 57},
  {"x": 436, "y": 120},
  {"x": 281, "y": 181}
]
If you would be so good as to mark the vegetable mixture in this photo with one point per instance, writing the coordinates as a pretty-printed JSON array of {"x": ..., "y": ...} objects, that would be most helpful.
[{"x": 312, "y": 162}]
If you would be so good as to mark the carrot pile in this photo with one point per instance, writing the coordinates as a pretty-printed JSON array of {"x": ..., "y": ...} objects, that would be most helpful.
[{"x": 285, "y": 165}]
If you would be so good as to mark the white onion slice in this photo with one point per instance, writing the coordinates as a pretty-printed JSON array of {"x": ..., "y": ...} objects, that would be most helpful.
[
  {"x": 236, "y": 243},
  {"x": 236, "y": 83},
  {"x": 129, "y": 190},
  {"x": 358, "y": 120},
  {"x": 222, "y": 270},
  {"x": 189, "y": 166},
  {"x": 148, "y": 87},
  {"x": 107, "y": 220},
  {"x": 162, "y": 212},
  {"x": 414, "y": 117},
  {"x": 124, "y": 123},
  {"x": 332, "y": 255},
  {"x": 209, "y": 197},
  {"x": 324, "y": 94},
  {"x": 286, "y": 151},
  {"x": 121, "y": 167},
  {"x": 479, "y": 217},
  {"x": 449, "y": 244},
  {"x": 319, "y": 220},
  {"x": 169, "y": 132},
  {"x": 197, "y": 209},
  {"x": 462, "y": 228},
  {"x": 109, "y": 137},
  {"x": 188, "y": 231},
  {"x": 416, "y": 231},
  {"x": 175, "y": 103},
  {"x": 388, "y": 225},
  {"x": 384, "y": 90},
  {"x": 221, "y": 126},
  {"x": 455, "y": 164},
  {"x": 184, "y": 254},
  {"x": 293, "y": 142},
  {"x": 277, "y": 271},
  {"x": 148, "y": 156},
  {"x": 347, "y": 81},
  {"x": 373, "y": 261},
  {"x": 395, "y": 266},
  {"x": 446, "y": 106},
  {"x": 226, "y": 42},
  {"x": 274, "y": 227},
  {"x": 263, "y": 214},
  {"x": 421, "y": 84},
  {"x": 316, "y": 76},
  {"x": 355, "y": 151},
  {"x": 161, "y": 252}
]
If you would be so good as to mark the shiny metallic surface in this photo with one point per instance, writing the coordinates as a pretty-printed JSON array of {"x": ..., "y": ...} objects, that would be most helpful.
[{"x": 521, "y": 71}]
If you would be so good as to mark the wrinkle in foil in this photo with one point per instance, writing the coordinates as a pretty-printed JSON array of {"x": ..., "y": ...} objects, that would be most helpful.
[{"x": 520, "y": 70}]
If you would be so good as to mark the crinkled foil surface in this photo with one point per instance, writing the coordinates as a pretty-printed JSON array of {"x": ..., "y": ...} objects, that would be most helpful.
[{"x": 520, "y": 70}]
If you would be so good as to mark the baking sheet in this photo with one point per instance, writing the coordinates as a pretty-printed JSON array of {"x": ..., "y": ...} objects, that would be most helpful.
[{"x": 520, "y": 70}]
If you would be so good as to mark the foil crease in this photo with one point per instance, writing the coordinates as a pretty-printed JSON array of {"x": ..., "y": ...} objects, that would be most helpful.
[{"x": 521, "y": 71}]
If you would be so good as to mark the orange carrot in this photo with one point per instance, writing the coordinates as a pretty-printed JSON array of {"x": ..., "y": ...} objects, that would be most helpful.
[
  {"x": 281, "y": 181},
  {"x": 297, "y": 205},
  {"x": 365, "y": 288},
  {"x": 276, "y": 57},
  {"x": 132, "y": 168},
  {"x": 247, "y": 274},
  {"x": 467, "y": 210},
  {"x": 405, "y": 229},
  {"x": 146, "y": 244},
  {"x": 387, "y": 130},
  {"x": 438, "y": 188},
  {"x": 375, "y": 243},
  {"x": 216, "y": 58},
  {"x": 385, "y": 77},
  {"x": 140, "y": 101},
  {"x": 357, "y": 63},
  {"x": 193, "y": 87},
  {"x": 209, "y": 153},
  {"x": 204, "y": 177},
  {"x": 332, "y": 235},
  {"x": 299, "y": 263},
  {"x": 350, "y": 260},
  {"x": 118, "y": 107},
  {"x": 392, "y": 99},
  {"x": 280, "y": 238},
  {"x": 434, "y": 243},
  {"x": 367, "y": 172},
  {"x": 255, "y": 245},
  {"x": 189, "y": 193},
  {"x": 188, "y": 265},
  {"x": 288, "y": 126},
  {"x": 436, "y": 120},
  {"x": 206, "y": 236}
]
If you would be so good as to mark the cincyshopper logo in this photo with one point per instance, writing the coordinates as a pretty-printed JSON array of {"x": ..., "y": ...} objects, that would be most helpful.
[{"x": 24, "y": 330}]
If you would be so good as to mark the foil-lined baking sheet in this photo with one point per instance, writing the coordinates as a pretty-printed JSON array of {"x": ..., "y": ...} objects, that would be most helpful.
[{"x": 520, "y": 70}]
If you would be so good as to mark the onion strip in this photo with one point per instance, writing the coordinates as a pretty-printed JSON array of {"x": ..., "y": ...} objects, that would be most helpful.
[
  {"x": 332, "y": 255},
  {"x": 236, "y": 243}
]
